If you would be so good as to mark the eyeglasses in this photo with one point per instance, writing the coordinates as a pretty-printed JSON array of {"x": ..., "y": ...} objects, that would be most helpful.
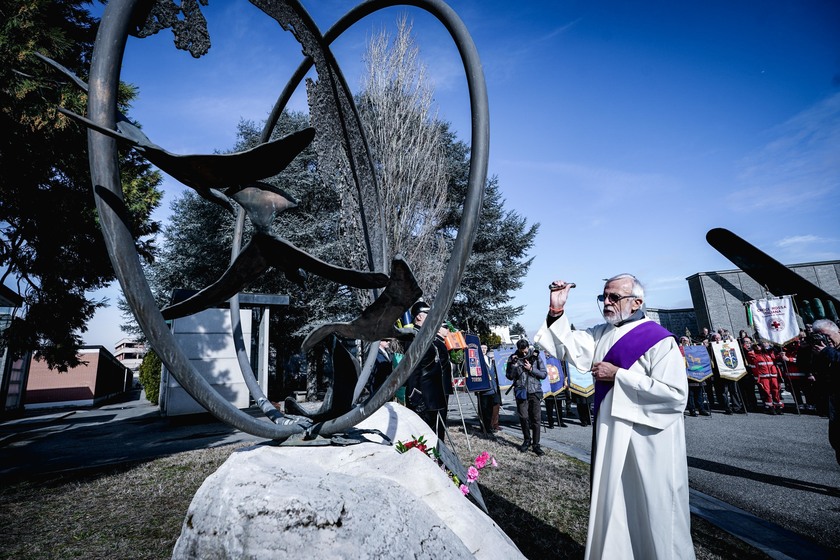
[{"x": 614, "y": 298}]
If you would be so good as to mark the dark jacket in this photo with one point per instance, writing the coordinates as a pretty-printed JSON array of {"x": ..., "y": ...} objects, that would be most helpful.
[
  {"x": 826, "y": 365},
  {"x": 523, "y": 379},
  {"x": 430, "y": 384},
  {"x": 381, "y": 370}
]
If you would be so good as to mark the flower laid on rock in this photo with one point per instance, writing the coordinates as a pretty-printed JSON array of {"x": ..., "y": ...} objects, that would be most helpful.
[
  {"x": 472, "y": 474},
  {"x": 481, "y": 461},
  {"x": 420, "y": 444}
]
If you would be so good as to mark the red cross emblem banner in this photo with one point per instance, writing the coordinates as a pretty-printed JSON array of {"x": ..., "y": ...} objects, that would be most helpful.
[{"x": 774, "y": 319}]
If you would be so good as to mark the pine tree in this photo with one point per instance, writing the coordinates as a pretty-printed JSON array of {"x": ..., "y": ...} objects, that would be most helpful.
[
  {"x": 50, "y": 241},
  {"x": 499, "y": 260}
]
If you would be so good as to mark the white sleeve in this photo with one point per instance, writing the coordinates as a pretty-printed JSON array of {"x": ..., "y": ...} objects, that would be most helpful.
[{"x": 578, "y": 347}]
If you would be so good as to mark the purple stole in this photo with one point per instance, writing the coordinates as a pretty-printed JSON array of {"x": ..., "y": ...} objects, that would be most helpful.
[{"x": 626, "y": 351}]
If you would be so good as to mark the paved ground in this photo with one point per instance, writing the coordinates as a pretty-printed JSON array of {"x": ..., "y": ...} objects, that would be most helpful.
[
  {"x": 133, "y": 430},
  {"x": 770, "y": 480}
]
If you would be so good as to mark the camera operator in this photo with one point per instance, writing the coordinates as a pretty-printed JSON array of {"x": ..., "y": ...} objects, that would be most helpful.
[
  {"x": 825, "y": 342},
  {"x": 526, "y": 369}
]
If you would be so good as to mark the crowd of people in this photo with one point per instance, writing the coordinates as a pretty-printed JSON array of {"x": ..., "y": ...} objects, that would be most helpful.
[
  {"x": 771, "y": 369},
  {"x": 642, "y": 391},
  {"x": 802, "y": 368}
]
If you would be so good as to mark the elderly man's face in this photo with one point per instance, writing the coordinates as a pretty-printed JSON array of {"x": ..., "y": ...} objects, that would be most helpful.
[
  {"x": 618, "y": 303},
  {"x": 833, "y": 336}
]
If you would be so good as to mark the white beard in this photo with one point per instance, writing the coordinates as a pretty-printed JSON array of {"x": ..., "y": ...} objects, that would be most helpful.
[{"x": 611, "y": 319}]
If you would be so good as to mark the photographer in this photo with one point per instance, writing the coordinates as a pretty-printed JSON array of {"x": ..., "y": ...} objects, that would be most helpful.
[
  {"x": 825, "y": 342},
  {"x": 526, "y": 370}
]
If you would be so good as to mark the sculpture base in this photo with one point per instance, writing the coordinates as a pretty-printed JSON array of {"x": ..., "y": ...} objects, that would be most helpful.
[{"x": 359, "y": 501}]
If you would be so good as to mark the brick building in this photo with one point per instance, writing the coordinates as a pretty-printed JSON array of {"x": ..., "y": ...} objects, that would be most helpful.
[{"x": 100, "y": 377}]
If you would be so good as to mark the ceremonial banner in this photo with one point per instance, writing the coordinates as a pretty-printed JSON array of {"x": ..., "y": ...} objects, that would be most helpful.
[
  {"x": 580, "y": 382},
  {"x": 545, "y": 384},
  {"x": 501, "y": 355},
  {"x": 729, "y": 360},
  {"x": 774, "y": 319},
  {"x": 698, "y": 365},
  {"x": 478, "y": 378},
  {"x": 555, "y": 381}
]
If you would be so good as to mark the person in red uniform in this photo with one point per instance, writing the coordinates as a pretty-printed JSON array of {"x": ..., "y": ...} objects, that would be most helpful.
[
  {"x": 763, "y": 362},
  {"x": 797, "y": 379},
  {"x": 746, "y": 384}
]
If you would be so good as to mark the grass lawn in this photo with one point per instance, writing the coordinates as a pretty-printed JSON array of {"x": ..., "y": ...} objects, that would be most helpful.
[{"x": 136, "y": 511}]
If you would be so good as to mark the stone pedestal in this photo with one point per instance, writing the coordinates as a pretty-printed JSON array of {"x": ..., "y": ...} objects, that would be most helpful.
[{"x": 360, "y": 501}]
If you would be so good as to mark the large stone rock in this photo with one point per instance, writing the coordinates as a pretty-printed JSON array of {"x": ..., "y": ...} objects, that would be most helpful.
[{"x": 360, "y": 501}]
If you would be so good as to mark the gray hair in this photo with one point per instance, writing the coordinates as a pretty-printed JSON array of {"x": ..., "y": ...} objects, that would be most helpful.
[
  {"x": 825, "y": 325},
  {"x": 638, "y": 290}
]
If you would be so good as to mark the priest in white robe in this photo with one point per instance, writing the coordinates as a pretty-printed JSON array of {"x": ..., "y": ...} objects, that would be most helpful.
[{"x": 639, "y": 503}]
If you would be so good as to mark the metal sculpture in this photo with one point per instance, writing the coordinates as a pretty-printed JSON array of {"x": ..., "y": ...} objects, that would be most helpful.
[{"x": 236, "y": 177}]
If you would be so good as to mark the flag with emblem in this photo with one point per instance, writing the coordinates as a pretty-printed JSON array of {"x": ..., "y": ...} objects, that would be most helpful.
[
  {"x": 774, "y": 319},
  {"x": 555, "y": 379},
  {"x": 728, "y": 359},
  {"x": 698, "y": 366}
]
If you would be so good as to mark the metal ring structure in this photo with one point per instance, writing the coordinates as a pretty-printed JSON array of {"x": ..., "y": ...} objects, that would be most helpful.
[{"x": 102, "y": 109}]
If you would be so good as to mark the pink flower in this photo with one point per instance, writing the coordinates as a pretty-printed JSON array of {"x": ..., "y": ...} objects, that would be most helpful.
[
  {"x": 472, "y": 474},
  {"x": 464, "y": 489},
  {"x": 482, "y": 459},
  {"x": 493, "y": 462}
]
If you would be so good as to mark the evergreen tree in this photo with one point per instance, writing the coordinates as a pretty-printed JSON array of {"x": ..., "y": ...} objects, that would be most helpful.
[
  {"x": 197, "y": 248},
  {"x": 518, "y": 330},
  {"x": 499, "y": 260},
  {"x": 50, "y": 240},
  {"x": 150, "y": 376}
]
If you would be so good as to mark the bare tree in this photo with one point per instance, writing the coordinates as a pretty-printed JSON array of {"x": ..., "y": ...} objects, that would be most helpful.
[{"x": 407, "y": 148}]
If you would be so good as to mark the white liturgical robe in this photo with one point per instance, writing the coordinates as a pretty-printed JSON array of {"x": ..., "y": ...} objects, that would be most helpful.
[{"x": 639, "y": 504}]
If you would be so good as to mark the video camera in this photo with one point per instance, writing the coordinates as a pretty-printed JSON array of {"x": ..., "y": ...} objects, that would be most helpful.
[{"x": 815, "y": 338}]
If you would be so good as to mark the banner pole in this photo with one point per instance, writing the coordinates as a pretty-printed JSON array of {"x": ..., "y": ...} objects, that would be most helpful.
[
  {"x": 741, "y": 396},
  {"x": 705, "y": 399},
  {"x": 792, "y": 391},
  {"x": 461, "y": 412}
]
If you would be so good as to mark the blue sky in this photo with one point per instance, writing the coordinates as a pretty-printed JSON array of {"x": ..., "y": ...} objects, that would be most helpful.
[{"x": 627, "y": 130}]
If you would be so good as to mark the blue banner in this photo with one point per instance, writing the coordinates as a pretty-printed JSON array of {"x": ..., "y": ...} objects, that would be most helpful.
[
  {"x": 501, "y": 356},
  {"x": 580, "y": 382},
  {"x": 698, "y": 365},
  {"x": 555, "y": 382},
  {"x": 478, "y": 376}
]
